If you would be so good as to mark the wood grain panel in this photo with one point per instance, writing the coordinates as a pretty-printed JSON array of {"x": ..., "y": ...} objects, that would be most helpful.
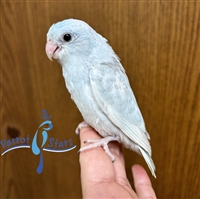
[{"x": 159, "y": 45}]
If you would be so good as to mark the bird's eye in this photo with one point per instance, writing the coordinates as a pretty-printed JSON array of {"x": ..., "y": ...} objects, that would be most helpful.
[{"x": 67, "y": 37}]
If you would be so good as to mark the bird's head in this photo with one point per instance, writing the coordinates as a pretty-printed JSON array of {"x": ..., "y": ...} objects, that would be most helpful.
[{"x": 71, "y": 38}]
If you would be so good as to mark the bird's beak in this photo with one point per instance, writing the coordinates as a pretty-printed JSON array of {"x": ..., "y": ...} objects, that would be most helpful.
[{"x": 50, "y": 49}]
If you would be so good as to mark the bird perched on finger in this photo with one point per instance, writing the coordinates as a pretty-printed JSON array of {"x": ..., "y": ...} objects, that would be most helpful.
[{"x": 99, "y": 86}]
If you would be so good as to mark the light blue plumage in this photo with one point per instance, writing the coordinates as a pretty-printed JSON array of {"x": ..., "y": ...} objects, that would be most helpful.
[{"x": 99, "y": 86}]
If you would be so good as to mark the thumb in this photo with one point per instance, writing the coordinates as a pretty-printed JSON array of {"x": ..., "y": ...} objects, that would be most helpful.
[{"x": 142, "y": 183}]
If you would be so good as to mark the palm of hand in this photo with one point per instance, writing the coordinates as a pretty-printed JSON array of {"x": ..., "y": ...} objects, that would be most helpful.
[{"x": 102, "y": 178}]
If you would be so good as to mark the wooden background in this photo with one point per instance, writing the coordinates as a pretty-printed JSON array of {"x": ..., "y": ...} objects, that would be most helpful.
[{"x": 159, "y": 46}]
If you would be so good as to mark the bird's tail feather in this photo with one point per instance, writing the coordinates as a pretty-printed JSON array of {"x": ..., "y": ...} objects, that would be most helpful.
[{"x": 149, "y": 161}]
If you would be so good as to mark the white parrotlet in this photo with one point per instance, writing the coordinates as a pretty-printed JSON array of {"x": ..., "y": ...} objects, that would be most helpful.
[{"x": 99, "y": 86}]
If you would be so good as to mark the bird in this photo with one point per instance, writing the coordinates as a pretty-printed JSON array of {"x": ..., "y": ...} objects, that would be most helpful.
[{"x": 99, "y": 86}]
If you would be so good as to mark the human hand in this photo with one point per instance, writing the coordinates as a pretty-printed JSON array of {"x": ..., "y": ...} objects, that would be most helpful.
[{"x": 101, "y": 178}]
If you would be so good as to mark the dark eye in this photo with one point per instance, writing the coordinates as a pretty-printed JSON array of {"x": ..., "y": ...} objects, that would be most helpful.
[{"x": 67, "y": 37}]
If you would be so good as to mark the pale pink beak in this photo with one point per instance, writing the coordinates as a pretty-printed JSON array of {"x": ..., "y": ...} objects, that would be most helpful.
[{"x": 50, "y": 49}]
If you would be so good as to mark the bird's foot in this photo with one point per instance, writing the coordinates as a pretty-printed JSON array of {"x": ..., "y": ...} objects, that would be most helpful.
[
  {"x": 102, "y": 142},
  {"x": 80, "y": 126}
]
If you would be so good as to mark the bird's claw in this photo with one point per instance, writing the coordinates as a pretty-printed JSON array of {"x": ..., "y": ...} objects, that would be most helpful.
[
  {"x": 101, "y": 142},
  {"x": 80, "y": 126}
]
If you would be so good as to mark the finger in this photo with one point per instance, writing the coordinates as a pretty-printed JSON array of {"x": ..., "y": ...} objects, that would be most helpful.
[
  {"x": 142, "y": 183},
  {"x": 95, "y": 163},
  {"x": 116, "y": 149},
  {"x": 96, "y": 166},
  {"x": 118, "y": 164}
]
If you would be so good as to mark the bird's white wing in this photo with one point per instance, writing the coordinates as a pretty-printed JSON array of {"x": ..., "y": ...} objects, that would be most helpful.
[{"x": 115, "y": 98}]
